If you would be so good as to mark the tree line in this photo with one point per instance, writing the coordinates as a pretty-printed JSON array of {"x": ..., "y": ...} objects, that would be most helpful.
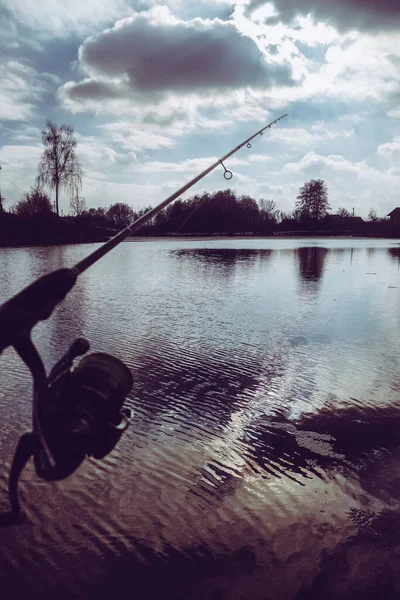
[
  {"x": 225, "y": 212},
  {"x": 210, "y": 213}
]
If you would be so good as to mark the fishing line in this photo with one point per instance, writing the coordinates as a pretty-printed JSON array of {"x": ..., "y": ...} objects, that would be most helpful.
[
  {"x": 15, "y": 185},
  {"x": 196, "y": 208},
  {"x": 97, "y": 254}
]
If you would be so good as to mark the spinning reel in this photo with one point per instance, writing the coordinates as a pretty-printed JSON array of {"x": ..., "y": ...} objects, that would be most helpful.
[{"x": 77, "y": 410}]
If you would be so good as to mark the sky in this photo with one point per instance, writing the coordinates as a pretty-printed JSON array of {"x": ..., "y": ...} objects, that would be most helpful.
[{"x": 157, "y": 91}]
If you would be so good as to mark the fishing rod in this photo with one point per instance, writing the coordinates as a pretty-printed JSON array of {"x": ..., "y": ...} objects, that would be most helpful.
[{"x": 77, "y": 411}]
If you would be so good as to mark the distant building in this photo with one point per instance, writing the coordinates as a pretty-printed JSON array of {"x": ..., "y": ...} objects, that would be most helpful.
[
  {"x": 356, "y": 221},
  {"x": 395, "y": 216}
]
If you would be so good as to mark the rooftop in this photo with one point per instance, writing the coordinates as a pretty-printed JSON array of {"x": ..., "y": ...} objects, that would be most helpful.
[{"x": 395, "y": 211}]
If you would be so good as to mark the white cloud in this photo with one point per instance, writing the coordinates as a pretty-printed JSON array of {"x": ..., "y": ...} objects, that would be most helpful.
[
  {"x": 390, "y": 150},
  {"x": 190, "y": 165},
  {"x": 366, "y": 52},
  {"x": 258, "y": 158},
  {"x": 100, "y": 159},
  {"x": 23, "y": 134},
  {"x": 19, "y": 166},
  {"x": 333, "y": 162},
  {"x": 298, "y": 136},
  {"x": 356, "y": 66},
  {"x": 135, "y": 138},
  {"x": 61, "y": 18},
  {"x": 21, "y": 157},
  {"x": 304, "y": 29},
  {"x": 22, "y": 88}
]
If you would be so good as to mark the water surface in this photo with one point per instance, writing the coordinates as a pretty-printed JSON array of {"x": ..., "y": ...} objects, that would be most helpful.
[{"x": 263, "y": 459}]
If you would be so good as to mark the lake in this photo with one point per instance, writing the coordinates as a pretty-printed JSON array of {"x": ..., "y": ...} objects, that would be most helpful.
[{"x": 263, "y": 460}]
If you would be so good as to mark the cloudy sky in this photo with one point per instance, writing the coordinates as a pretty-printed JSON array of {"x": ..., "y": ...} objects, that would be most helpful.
[{"x": 156, "y": 91}]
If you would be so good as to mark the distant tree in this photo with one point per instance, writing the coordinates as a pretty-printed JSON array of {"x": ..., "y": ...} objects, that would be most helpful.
[
  {"x": 77, "y": 205},
  {"x": 268, "y": 210},
  {"x": 142, "y": 211},
  {"x": 33, "y": 204},
  {"x": 160, "y": 221},
  {"x": 59, "y": 166},
  {"x": 343, "y": 212},
  {"x": 312, "y": 201},
  {"x": 248, "y": 214},
  {"x": 96, "y": 212},
  {"x": 175, "y": 215},
  {"x": 286, "y": 215},
  {"x": 225, "y": 213},
  {"x": 372, "y": 216},
  {"x": 97, "y": 217},
  {"x": 121, "y": 215},
  {"x": 1, "y": 201}
]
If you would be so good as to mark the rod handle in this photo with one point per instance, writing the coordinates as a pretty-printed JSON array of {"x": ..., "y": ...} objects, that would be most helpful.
[{"x": 33, "y": 304}]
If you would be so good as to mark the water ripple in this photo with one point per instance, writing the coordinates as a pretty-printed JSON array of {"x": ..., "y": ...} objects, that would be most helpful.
[{"x": 266, "y": 422}]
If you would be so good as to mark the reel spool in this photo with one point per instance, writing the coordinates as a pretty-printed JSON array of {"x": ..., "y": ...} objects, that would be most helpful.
[{"x": 82, "y": 415}]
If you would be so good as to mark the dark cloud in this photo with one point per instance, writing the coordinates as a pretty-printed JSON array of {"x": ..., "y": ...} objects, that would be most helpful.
[
  {"x": 154, "y": 52},
  {"x": 371, "y": 15},
  {"x": 91, "y": 89}
]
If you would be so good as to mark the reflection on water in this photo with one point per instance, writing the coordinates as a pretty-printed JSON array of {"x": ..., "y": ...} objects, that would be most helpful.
[
  {"x": 311, "y": 263},
  {"x": 395, "y": 254},
  {"x": 227, "y": 256},
  {"x": 311, "y": 267},
  {"x": 263, "y": 460}
]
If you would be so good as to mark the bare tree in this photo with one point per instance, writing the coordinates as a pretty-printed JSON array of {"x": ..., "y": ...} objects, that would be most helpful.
[
  {"x": 33, "y": 204},
  {"x": 77, "y": 205},
  {"x": 59, "y": 166},
  {"x": 343, "y": 212},
  {"x": 268, "y": 210},
  {"x": 372, "y": 216},
  {"x": 282, "y": 215}
]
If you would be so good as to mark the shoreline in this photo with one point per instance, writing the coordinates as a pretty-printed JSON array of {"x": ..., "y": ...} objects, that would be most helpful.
[{"x": 200, "y": 237}]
